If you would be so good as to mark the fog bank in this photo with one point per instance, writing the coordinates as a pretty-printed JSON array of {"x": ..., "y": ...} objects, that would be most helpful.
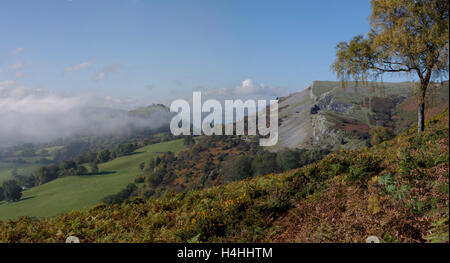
[{"x": 39, "y": 118}]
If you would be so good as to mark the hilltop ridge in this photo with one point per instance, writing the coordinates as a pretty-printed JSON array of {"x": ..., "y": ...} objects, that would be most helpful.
[{"x": 331, "y": 116}]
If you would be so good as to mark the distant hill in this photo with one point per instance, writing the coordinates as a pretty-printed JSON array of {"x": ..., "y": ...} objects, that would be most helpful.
[
  {"x": 329, "y": 116},
  {"x": 150, "y": 111}
]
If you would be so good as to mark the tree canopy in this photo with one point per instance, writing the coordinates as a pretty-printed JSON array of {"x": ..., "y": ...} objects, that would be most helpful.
[
  {"x": 11, "y": 190},
  {"x": 409, "y": 37}
]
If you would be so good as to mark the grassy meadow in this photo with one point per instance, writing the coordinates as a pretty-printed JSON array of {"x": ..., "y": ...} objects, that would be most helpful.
[
  {"x": 81, "y": 192},
  {"x": 6, "y": 169}
]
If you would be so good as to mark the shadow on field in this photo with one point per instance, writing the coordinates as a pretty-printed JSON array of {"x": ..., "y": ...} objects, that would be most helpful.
[
  {"x": 23, "y": 199},
  {"x": 105, "y": 172},
  {"x": 134, "y": 153}
]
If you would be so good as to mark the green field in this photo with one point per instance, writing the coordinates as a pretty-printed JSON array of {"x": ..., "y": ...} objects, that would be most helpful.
[
  {"x": 28, "y": 167},
  {"x": 6, "y": 169},
  {"x": 82, "y": 192}
]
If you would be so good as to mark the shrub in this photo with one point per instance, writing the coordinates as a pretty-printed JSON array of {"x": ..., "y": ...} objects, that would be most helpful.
[
  {"x": 208, "y": 166},
  {"x": 94, "y": 167},
  {"x": 47, "y": 173},
  {"x": 104, "y": 156},
  {"x": 141, "y": 166},
  {"x": 238, "y": 168},
  {"x": 188, "y": 140},
  {"x": 287, "y": 159},
  {"x": 147, "y": 193},
  {"x": 124, "y": 149},
  {"x": 139, "y": 179},
  {"x": 356, "y": 173},
  {"x": 390, "y": 187},
  {"x": 11, "y": 190},
  {"x": 121, "y": 196},
  {"x": 265, "y": 163},
  {"x": 81, "y": 170},
  {"x": 155, "y": 177},
  {"x": 381, "y": 134}
]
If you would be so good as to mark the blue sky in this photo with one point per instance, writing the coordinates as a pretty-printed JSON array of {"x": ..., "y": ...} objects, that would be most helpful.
[{"x": 151, "y": 51}]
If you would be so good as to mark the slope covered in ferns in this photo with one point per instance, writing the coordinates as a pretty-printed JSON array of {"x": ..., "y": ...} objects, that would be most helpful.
[{"x": 397, "y": 190}]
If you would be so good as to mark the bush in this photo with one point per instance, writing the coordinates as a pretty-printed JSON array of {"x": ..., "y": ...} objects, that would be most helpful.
[
  {"x": 81, "y": 170},
  {"x": 11, "y": 190},
  {"x": 94, "y": 167},
  {"x": 147, "y": 193},
  {"x": 208, "y": 166},
  {"x": 188, "y": 140},
  {"x": 47, "y": 173},
  {"x": 381, "y": 134},
  {"x": 104, "y": 156},
  {"x": 121, "y": 196},
  {"x": 288, "y": 159},
  {"x": 125, "y": 149},
  {"x": 265, "y": 163},
  {"x": 238, "y": 168},
  {"x": 139, "y": 179},
  {"x": 390, "y": 187},
  {"x": 155, "y": 177},
  {"x": 362, "y": 166}
]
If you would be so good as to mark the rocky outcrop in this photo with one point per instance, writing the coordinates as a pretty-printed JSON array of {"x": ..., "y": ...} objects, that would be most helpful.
[
  {"x": 329, "y": 116},
  {"x": 314, "y": 110}
]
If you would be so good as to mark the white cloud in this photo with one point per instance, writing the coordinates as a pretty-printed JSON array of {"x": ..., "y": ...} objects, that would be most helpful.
[
  {"x": 112, "y": 68},
  {"x": 17, "y": 51},
  {"x": 20, "y": 65},
  {"x": 18, "y": 91},
  {"x": 11, "y": 89},
  {"x": 106, "y": 71},
  {"x": 7, "y": 83},
  {"x": 99, "y": 76},
  {"x": 78, "y": 67},
  {"x": 248, "y": 89},
  {"x": 20, "y": 75}
]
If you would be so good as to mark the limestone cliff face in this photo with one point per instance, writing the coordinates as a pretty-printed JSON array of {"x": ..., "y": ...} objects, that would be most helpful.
[
  {"x": 323, "y": 135},
  {"x": 329, "y": 116}
]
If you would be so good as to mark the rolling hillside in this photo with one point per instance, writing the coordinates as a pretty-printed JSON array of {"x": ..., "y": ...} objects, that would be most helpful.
[
  {"x": 81, "y": 192},
  {"x": 345, "y": 197},
  {"x": 6, "y": 168},
  {"x": 25, "y": 164},
  {"x": 148, "y": 123}
]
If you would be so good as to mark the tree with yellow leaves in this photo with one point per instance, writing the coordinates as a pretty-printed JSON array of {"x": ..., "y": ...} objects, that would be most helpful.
[{"x": 406, "y": 36}]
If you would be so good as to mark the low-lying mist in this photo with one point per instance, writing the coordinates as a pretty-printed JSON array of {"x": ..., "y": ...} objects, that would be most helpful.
[{"x": 41, "y": 118}]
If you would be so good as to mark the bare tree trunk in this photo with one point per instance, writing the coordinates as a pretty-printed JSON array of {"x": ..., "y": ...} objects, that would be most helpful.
[
  {"x": 421, "y": 106},
  {"x": 421, "y": 117}
]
